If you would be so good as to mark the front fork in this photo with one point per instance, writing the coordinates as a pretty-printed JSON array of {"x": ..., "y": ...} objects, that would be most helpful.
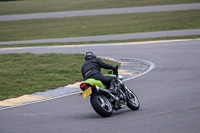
[{"x": 125, "y": 91}]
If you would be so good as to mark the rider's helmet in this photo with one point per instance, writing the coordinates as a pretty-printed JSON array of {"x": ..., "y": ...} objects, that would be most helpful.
[{"x": 90, "y": 55}]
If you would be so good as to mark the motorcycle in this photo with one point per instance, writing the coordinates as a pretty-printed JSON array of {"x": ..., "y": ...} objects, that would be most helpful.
[{"x": 103, "y": 101}]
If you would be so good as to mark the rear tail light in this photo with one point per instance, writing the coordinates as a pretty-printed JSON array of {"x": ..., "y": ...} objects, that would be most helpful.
[{"x": 83, "y": 85}]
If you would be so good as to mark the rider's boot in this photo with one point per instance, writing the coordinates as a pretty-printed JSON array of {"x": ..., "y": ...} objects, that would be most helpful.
[{"x": 112, "y": 87}]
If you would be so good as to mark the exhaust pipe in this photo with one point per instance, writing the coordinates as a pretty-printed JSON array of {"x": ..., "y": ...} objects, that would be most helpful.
[
  {"x": 102, "y": 89},
  {"x": 107, "y": 91}
]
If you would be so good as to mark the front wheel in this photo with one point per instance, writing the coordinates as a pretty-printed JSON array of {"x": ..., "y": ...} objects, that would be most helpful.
[
  {"x": 132, "y": 102},
  {"x": 101, "y": 105}
]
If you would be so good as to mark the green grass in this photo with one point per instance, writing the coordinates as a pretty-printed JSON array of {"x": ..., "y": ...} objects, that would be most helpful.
[
  {"x": 98, "y": 25},
  {"x": 36, "y": 6},
  {"x": 28, "y": 73},
  {"x": 100, "y": 42}
]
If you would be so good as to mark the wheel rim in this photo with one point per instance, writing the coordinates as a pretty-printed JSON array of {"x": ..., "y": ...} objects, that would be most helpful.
[
  {"x": 133, "y": 99},
  {"x": 104, "y": 103}
]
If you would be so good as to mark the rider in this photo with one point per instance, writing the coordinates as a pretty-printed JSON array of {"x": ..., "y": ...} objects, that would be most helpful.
[{"x": 91, "y": 69}]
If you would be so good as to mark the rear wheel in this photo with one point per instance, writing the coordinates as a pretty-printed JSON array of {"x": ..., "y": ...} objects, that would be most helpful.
[
  {"x": 133, "y": 102},
  {"x": 101, "y": 105}
]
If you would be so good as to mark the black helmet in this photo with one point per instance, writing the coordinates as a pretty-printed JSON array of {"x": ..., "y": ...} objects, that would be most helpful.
[{"x": 90, "y": 55}]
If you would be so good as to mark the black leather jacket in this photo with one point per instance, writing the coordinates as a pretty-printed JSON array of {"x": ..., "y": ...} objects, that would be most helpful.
[{"x": 93, "y": 66}]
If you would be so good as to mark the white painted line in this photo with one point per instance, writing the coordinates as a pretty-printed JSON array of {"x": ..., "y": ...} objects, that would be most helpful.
[
  {"x": 151, "y": 67},
  {"x": 37, "y": 114}
]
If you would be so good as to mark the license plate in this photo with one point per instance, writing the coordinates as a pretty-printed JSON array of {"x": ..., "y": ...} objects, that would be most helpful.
[{"x": 87, "y": 92}]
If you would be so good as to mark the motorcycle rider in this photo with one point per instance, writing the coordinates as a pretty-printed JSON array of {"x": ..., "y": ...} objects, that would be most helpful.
[{"x": 91, "y": 69}]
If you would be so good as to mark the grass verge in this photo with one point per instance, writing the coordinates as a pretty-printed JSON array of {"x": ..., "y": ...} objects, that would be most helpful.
[
  {"x": 100, "y": 42},
  {"x": 36, "y": 6},
  {"x": 28, "y": 73},
  {"x": 98, "y": 25}
]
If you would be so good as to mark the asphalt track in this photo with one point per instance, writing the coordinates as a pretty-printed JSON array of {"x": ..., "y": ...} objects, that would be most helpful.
[
  {"x": 101, "y": 12},
  {"x": 169, "y": 95}
]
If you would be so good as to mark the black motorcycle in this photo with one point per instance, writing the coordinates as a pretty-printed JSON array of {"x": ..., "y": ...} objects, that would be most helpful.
[{"x": 103, "y": 101}]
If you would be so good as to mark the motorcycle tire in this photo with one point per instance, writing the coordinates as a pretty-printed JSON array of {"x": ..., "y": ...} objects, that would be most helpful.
[
  {"x": 133, "y": 102},
  {"x": 101, "y": 105}
]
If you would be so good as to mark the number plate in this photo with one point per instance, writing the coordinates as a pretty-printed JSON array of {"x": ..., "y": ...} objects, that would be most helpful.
[{"x": 87, "y": 92}]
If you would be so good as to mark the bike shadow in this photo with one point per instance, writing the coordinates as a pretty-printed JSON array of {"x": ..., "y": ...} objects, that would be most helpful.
[{"x": 94, "y": 115}]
